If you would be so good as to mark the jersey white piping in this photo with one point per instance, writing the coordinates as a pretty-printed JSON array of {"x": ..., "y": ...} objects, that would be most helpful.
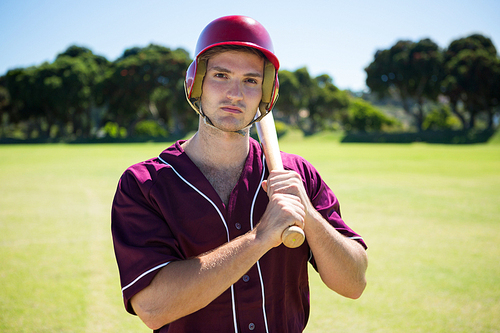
[
  {"x": 258, "y": 264},
  {"x": 225, "y": 225},
  {"x": 144, "y": 274}
]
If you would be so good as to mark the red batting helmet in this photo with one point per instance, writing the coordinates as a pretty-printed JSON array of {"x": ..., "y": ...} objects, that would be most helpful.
[{"x": 234, "y": 30}]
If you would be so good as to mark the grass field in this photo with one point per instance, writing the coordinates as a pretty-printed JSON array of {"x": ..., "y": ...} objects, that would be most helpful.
[{"x": 429, "y": 214}]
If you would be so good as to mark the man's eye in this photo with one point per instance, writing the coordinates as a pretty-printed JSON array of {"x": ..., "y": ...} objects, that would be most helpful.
[{"x": 220, "y": 75}]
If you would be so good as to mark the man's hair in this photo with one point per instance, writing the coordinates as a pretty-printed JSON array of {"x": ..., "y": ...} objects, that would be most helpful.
[{"x": 205, "y": 56}]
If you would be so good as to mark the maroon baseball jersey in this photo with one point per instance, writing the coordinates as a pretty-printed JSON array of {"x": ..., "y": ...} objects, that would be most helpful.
[{"x": 166, "y": 210}]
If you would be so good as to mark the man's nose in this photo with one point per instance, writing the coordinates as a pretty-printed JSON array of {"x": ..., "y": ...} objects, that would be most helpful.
[{"x": 235, "y": 91}]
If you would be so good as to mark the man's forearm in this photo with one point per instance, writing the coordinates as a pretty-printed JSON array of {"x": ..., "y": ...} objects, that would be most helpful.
[
  {"x": 183, "y": 287},
  {"x": 342, "y": 262}
]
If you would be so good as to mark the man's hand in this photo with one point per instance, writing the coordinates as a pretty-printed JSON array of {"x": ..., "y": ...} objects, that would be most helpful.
[
  {"x": 285, "y": 206},
  {"x": 287, "y": 182}
]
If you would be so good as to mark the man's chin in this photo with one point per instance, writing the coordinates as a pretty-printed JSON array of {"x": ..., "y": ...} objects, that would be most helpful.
[{"x": 231, "y": 126}]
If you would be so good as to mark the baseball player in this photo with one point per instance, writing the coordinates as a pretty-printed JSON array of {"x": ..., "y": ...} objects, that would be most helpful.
[{"x": 197, "y": 230}]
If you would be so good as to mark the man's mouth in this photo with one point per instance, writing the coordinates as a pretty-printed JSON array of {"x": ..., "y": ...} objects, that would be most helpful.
[{"x": 232, "y": 109}]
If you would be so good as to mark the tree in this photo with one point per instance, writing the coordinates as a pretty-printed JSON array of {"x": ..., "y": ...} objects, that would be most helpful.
[
  {"x": 57, "y": 93},
  {"x": 364, "y": 117},
  {"x": 426, "y": 63},
  {"x": 411, "y": 71},
  {"x": 440, "y": 118},
  {"x": 325, "y": 103},
  {"x": 81, "y": 91},
  {"x": 472, "y": 78},
  {"x": 4, "y": 106},
  {"x": 24, "y": 89},
  {"x": 310, "y": 102},
  {"x": 148, "y": 83},
  {"x": 80, "y": 71},
  {"x": 386, "y": 73},
  {"x": 289, "y": 101}
]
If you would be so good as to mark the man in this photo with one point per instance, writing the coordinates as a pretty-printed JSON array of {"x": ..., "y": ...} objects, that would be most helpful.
[{"x": 197, "y": 230}]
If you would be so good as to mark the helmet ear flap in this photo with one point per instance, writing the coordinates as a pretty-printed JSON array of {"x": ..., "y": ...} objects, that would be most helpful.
[
  {"x": 268, "y": 82},
  {"x": 270, "y": 87},
  {"x": 193, "y": 83},
  {"x": 201, "y": 70}
]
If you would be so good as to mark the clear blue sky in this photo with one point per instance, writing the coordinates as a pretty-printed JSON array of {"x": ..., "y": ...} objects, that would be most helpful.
[{"x": 328, "y": 36}]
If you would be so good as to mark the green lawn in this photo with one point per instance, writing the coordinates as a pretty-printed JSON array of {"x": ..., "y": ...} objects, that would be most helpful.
[{"x": 429, "y": 214}]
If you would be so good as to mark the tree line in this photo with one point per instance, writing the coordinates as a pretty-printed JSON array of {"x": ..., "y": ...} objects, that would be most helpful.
[
  {"x": 80, "y": 94},
  {"x": 466, "y": 75},
  {"x": 84, "y": 95}
]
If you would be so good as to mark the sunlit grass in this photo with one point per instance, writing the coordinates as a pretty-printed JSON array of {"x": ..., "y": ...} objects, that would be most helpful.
[{"x": 429, "y": 214}]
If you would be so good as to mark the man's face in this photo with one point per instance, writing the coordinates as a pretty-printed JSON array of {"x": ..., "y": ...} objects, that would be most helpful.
[{"x": 232, "y": 89}]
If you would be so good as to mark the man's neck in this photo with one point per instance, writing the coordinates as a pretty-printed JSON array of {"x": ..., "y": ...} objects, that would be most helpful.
[
  {"x": 216, "y": 149},
  {"x": 220, "y": 156}
]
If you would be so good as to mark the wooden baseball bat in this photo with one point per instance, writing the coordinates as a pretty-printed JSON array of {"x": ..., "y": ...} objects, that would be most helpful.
[{"x": 293, "y": 236}]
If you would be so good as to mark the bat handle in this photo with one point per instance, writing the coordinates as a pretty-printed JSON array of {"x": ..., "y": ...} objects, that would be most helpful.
[{"x": 293, "y": 237}]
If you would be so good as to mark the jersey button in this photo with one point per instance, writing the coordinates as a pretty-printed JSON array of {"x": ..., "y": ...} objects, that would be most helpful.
[
  {"x": 238, "y": 226},
  {"x": 246, "y": 278},
  {"x": 251, "y": 327}
]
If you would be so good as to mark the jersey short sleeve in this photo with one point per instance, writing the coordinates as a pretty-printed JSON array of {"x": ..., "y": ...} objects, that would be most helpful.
[{"x": 142, "y": 239}]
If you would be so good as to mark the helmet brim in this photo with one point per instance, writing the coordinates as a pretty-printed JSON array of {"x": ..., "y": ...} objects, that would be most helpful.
[{"x": 269, "y": 55}]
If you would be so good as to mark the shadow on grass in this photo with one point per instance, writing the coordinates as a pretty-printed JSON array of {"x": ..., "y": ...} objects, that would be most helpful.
[
  {"x": 441, "y": 137},
  {"x": 141, "y": 139}
]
